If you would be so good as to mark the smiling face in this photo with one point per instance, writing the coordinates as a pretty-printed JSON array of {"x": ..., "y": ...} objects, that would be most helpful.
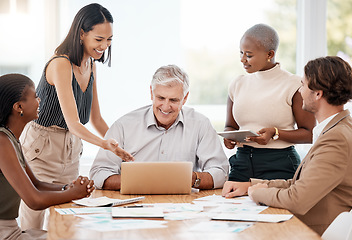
[
  {"x": 254, "y": 56},
  {"x": 167, "y": 103},
  {"x": 30, "y": 104},
  {"x": 96, "y": 41}
]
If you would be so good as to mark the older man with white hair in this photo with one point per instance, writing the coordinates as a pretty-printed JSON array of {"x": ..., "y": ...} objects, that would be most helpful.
[{"x": 165, "y": 131}]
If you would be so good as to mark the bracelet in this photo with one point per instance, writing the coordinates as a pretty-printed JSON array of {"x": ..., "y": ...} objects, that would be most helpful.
[
  {"x": 64, "y": 187},
  {"x": 276, "y": 135}
]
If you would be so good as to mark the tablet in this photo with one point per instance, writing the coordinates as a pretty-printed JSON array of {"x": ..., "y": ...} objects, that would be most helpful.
[{"x": 238, "y": 135}]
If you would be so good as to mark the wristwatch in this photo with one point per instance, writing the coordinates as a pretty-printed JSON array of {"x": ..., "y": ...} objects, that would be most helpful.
[
  {"x": 276, "y": 136},
  {"x": 197, "y": 182}
]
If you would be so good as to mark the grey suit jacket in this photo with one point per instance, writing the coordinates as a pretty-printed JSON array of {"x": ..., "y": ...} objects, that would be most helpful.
[{"x": 322, "y": 185}]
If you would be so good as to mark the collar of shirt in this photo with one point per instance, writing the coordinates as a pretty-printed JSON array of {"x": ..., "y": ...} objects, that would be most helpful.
[
  {"x": 151, "y": 120},
  {"x": 320, "y": 126},
  {"x": 271, "y": 73}
]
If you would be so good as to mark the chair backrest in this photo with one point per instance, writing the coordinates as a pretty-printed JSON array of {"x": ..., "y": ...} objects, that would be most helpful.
[{"x": 340, "y": 228}]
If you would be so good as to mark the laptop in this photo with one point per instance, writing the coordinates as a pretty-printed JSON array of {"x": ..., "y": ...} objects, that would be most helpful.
[{"x": 156, "y": 177}]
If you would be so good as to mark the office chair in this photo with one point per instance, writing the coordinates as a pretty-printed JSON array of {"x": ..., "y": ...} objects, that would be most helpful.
[{"x": 340, "y": 228}]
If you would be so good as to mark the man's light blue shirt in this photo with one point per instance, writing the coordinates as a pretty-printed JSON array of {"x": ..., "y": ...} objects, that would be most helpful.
[{"x": 191, "y": 138}]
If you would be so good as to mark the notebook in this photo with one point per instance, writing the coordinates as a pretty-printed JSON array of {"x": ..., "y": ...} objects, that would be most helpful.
[
  {"x": 105, "y": 201},
  {"x": 156, "y": 177}
]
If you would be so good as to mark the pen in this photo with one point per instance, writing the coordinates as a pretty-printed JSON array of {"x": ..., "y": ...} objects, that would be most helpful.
[{"x": 134, "y": 206}]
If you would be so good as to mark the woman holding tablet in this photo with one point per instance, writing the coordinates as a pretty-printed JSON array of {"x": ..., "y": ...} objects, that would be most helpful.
[{"x": 266, "y": 101}]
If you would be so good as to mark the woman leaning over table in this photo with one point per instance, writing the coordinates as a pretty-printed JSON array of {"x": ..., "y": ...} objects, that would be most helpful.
[
  {"x": 68, "y": 92},
  {"x": 266, "y": 101},
  {"x": 19, "y": 105}
]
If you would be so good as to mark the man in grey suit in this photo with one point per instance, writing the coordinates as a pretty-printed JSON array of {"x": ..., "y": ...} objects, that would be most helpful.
[{"x": 322, "y": 185}]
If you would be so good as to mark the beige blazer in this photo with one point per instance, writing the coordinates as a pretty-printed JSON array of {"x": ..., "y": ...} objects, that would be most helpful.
[{"x": 322, "y": 185}]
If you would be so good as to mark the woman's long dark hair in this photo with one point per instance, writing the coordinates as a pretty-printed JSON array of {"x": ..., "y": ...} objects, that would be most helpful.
[
  {"x": 85, "y": 19},
  {"x": 12, "y": 88}
]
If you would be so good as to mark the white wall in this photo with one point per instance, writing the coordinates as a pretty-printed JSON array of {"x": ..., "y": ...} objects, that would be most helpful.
[{"x": 311, "y": 32}]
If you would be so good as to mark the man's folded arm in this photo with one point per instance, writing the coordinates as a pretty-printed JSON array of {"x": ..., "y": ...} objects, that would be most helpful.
[
  {"x": 105, "y": 165},
  {"x": 113, "y": 182}
]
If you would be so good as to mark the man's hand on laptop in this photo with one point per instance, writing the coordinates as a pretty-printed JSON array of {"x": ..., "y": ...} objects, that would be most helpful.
[{"x": 113, "y": 146}]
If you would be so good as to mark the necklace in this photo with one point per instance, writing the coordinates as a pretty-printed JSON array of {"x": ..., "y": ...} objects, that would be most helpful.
[{"x": 86, "y": 68}]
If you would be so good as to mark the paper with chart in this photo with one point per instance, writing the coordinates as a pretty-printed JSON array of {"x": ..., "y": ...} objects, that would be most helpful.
[
  {"x": 176, "y": 207},
  {"x": 215, "y": 200},
  {"x": 138, "y": 212},
  {"x": 179, "y": 211},
  {"x": 238, "y": 208},
  {"x": 88, "y": 210},
  {"x": 104, "y": 223},
  {"x": 217, "y": 226},
  {"x": 273, "y": 218}
]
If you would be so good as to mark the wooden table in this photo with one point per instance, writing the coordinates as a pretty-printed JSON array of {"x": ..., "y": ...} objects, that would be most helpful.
[{"x": 64, "y": 226}]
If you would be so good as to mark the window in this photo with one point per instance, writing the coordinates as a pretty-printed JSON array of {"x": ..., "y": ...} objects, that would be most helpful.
[
  {"x": 339, "y": 28},
  {"x": 4, "y": 6},
  {"x": 13, "y": 69},
  {"x": 339, "y": 31},
  {"x": 22, "y": 6},
  {"x": 210, "y": 42},
  {"x": 13, "y": 6}
]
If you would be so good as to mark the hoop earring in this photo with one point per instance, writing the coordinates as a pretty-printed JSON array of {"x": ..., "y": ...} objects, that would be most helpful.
[{"x": 21, "y": 113}]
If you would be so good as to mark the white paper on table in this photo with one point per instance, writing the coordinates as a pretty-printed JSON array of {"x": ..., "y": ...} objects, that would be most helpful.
[
  {"x": 220, "y": 226},
  {"x": 107, "y": 225},
  {"x": 235, "y": 208},
  {"x": 176, "y": 207},
  {"x": 212, "y": 200},
  {"x": 184, "y": 215},
  {"x": 105, "y": 201},
  {"x": 139, "y": 212},
  {"x": 207, "y": 203},
  {"x": 178, "y": 211},
  {"x": 95, "y": 217},
  {"x": 67, "y": 211},
  {"x": 273, "y": 218}
]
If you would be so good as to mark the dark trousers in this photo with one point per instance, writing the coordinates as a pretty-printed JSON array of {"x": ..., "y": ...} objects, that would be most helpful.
[{"x": 263, "y": 163}]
